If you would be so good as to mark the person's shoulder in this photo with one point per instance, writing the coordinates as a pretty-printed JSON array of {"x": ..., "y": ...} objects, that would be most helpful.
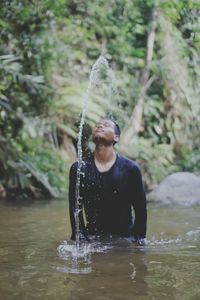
[
  {"x": 128, "y": 163},
  {"x": 74, "y": 165},
  {"x": 73, "y": 168}
]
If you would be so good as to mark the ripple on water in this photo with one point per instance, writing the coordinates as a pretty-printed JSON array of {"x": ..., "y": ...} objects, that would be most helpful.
[
  {"x": 79, "y": 259},
  {"x": 185, "y": 241},
  {"x": 194, "y": 235}
]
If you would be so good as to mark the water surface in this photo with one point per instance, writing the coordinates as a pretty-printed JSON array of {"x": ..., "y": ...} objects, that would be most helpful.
[{"x": 33, "y": 267}]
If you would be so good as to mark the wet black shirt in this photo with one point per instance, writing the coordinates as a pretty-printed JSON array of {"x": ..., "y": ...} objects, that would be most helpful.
[{"x": 114, "y": 201}]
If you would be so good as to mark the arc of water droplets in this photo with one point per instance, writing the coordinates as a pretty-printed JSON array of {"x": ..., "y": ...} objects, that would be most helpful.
[{"x": 93, "y": 81}]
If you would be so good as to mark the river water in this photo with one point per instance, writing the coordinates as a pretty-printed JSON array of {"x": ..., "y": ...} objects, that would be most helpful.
[{"x": 32, "y": 266}]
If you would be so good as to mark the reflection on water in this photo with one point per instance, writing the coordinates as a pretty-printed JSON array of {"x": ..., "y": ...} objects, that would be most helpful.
[{"x": 37, "y": 261}]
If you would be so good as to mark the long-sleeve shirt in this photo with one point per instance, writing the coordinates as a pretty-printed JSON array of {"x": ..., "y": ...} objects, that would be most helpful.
[{"x": 114, "y": 201}]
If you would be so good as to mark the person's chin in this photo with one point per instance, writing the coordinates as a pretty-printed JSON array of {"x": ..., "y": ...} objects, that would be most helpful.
[
  {"x": 98, "y": 139},
  {"x": 98, "y": 135}
]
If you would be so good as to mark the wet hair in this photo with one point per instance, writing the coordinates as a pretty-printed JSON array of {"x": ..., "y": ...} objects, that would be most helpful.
[
  {"x": 109, "y": 116},
  {"x": 117, "y": 128}
]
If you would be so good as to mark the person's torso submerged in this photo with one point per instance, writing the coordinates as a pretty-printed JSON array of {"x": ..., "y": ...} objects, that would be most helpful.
[{"x": 107, "y": 197}]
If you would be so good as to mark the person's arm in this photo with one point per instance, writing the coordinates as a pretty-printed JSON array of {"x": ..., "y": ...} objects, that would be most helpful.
[
  {"x": 72, "y": 198},
  {"x": 72, "y": 205},
  {"x": 139, "y": 204}
]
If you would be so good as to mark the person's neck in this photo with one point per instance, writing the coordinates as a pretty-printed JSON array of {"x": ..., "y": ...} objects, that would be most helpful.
[
  {"x": 104, "y": 154},
  {"x": 104, "y": 157}
]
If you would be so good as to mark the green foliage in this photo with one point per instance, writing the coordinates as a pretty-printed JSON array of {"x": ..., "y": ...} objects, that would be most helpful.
[
  {"x": 47, "y": 51},
  {"x": 156, "y": 160},
  {"x": 32, "y": 167},
  {"x": 25, "y": 63},
  {"x": 39, "y": 154}
]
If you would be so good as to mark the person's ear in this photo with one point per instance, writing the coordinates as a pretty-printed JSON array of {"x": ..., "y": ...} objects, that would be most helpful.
[{"x": 116, "y": 138}]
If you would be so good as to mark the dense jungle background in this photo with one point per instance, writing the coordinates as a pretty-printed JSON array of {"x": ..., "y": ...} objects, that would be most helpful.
[{"x": 47, "y": 51}]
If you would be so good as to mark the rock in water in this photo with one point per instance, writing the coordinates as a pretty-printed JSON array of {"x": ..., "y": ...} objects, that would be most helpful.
[{"x": 179, "y": 188}]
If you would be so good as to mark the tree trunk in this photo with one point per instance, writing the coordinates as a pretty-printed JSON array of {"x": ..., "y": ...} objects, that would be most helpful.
[{"x": 134, "y": 124}]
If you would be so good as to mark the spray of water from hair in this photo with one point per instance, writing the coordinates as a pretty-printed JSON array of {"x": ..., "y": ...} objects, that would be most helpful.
[{"x": 93, "y": 81}]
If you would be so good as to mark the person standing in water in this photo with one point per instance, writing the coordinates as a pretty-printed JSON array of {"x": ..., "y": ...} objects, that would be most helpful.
[{"x": 111, "y": 189}]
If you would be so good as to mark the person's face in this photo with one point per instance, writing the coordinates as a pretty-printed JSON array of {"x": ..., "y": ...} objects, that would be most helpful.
[{"x": 104, "y": 132}]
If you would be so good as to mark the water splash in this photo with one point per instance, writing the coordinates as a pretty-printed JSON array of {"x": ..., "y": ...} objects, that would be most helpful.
[
  {"x": 79, "y": 259},
  {"x": 180, "y": 242},
  {"x": 194, "y": 235},
  {"x": 70, "y": 252},
  {"x": 94, "y": 80}
]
